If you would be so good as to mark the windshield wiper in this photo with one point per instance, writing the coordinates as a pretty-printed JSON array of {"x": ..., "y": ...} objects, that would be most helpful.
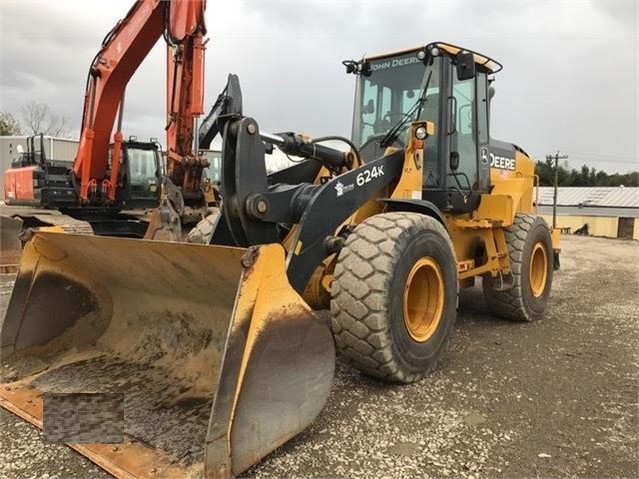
[{"x": 393, "y": 133}]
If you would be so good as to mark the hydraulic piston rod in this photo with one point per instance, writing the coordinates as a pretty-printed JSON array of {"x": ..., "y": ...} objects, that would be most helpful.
[{"x": 293, "y": 144}]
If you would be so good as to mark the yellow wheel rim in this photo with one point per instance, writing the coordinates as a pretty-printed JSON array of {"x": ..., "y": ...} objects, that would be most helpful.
[
  {"x": 538, "y": 270},
  {"x": 423, "y": 299}
]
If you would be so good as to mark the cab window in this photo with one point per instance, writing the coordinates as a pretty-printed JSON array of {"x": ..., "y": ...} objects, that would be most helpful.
[{"x": 464, "y": 95}]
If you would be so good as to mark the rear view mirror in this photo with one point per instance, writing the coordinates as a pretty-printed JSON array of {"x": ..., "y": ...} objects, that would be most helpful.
[
  {"x": 465, "y": 66},
  {"x": 369, "y": 108},
  {"x": 454, "y": 161}
]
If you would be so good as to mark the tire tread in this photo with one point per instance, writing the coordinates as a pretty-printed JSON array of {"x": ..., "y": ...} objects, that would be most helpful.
[
  {"x": 510, "y": 304},
  {"x": 358, "y": 312}
]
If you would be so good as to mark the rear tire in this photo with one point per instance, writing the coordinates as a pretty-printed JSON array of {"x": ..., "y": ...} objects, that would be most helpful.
[
  {"x": 394, "y": 297},
  {"x": 531, "y": 261}
]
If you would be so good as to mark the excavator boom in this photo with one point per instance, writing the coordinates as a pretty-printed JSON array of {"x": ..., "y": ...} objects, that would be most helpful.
[
  {"x": 122, "y": 52},
  {"x": 181, "y": 22}
]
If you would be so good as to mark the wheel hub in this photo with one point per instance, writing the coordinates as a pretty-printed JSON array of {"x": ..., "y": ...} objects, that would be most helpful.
[
  {"x": 538, "y": 269},
  {"x": 423, "y": 300}
]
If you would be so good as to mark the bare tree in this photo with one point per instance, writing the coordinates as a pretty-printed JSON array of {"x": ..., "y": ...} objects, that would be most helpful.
[
  {"x": 9, "y": 125},
  {"x": 38, "y": 118}
]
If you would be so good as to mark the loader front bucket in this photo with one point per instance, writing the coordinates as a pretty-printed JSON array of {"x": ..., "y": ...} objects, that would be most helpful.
[
  {"x": 10, "y": 245},
  {"x": 218, "y": 359}
]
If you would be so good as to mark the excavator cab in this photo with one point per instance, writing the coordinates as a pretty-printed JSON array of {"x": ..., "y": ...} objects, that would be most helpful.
[
  {"x": 140, "y": 174},
  {"x": 439, "y": 84}
]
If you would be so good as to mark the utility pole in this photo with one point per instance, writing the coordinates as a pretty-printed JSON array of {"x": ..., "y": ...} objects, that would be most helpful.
[{"x": 554, "y": 199}]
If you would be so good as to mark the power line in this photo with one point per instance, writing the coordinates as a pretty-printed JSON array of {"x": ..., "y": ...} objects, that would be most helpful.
[
  {"x": 607, "y": 161},
  {"x": 597, "y": 155},
  {"x": 554, "y": 198},
  {"x": 611, "y": 160}
]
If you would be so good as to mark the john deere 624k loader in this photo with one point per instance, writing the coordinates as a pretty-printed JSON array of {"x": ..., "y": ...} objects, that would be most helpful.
[{"x": 216, "y": 347}]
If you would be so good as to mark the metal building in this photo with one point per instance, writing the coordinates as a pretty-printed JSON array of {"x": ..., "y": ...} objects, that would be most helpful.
[
  {"x": 54, "y": 148},
  {"x": 609, "y": 211}
]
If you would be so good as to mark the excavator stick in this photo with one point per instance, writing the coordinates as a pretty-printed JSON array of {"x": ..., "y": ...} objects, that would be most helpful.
[
  {"x": 219, "y": 360},
  {"x": 10, "y": 245}
]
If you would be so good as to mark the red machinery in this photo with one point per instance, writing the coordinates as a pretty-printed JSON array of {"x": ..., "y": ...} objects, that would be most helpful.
[{"x": 123, "y": 50}]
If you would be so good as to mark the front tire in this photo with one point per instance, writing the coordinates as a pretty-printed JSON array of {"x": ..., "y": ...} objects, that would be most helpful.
[
  {"x": 531, "y": 261},
  {"x": 394, "y": 297}
]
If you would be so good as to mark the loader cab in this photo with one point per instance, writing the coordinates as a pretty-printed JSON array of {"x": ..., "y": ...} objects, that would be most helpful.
[
  {"x": 139, "y": 174},
  {"x": 441, "y": 84},
  {"x": 211, "y": 175}
]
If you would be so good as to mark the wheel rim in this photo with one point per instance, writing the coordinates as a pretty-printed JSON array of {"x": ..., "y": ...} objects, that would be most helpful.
[
  {"x": 423, "y": 299},
  {"x": 538, "y": 270}
]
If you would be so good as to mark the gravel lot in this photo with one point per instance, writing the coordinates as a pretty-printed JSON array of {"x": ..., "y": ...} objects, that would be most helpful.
[{"x": 554, "y": 398}]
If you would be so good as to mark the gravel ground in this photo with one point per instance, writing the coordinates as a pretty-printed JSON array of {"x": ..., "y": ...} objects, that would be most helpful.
[{"x": 553, "y": 398}]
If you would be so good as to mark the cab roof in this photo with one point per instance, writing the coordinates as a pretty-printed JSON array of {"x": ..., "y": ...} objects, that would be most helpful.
[{"x": 482, "y": 60}]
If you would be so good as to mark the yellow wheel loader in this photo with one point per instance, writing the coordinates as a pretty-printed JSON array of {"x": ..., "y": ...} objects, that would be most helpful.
[{"x": 215, "y": 346}]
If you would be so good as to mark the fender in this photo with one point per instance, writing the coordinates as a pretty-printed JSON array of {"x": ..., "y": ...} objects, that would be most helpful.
[{"x": 414, "y": 206}]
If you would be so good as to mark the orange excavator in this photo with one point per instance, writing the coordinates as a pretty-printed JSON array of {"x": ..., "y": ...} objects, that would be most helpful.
[
  {"x": 181, "y": 23},
  {"x": 112, "y": 180}
]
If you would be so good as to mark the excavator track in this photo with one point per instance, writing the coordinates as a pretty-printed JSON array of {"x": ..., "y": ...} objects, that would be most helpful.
[{"x": 63, "y": 222}]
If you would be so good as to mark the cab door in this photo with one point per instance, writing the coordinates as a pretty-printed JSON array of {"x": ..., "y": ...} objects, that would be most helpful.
[{"x": 468, "y": 169}]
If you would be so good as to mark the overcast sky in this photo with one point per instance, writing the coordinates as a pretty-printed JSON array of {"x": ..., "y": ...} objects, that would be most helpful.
[{"x": 570, "y": 78}]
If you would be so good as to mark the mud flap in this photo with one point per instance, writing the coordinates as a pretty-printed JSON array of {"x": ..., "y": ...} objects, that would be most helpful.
[
  {"x": 220, "y": 361},
  {"x": 10, "y": 244}
]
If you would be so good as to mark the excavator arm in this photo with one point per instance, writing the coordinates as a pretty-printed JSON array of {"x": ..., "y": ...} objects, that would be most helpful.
[
  {"x": 185, "y": 93},
  {"x": 181, "y": 22}
]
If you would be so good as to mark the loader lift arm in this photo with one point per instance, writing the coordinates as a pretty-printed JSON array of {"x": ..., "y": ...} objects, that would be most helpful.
[
  {"x": 123, "y": 50},
  {"x": 253, "y": 208},
  {"x": 255, "y": 203}
]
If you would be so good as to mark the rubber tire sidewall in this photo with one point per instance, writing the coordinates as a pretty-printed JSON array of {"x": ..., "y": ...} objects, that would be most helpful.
[
  {"x": 414, "y": 356},
  {"x": 390, "y": 244},
  {"x": 535, "y": 306},
  {"x": 518, "y": 303}
]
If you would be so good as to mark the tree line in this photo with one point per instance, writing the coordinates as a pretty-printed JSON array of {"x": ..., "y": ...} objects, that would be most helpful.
[
  {"x": 585, "y": 176},
  {"x": 35, "y": 117}
]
